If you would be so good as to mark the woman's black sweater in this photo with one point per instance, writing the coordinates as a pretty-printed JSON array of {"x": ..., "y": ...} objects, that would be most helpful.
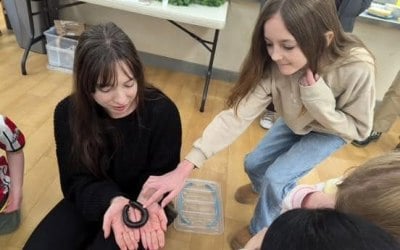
[{"x": 151, "y": 143}]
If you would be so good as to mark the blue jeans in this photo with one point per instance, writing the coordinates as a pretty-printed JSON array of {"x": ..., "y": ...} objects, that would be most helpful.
[{"x": 279, "y": 160}]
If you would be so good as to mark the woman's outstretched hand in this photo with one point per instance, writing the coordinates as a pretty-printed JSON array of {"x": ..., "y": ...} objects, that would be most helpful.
[
  {"x": 172, "y": 183},
  {"x": 126, "y": 238},
  {"x": 152, "y": 234}
]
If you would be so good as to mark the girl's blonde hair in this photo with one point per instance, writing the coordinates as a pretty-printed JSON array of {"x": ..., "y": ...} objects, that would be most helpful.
[{"x": 372, "y": 191}]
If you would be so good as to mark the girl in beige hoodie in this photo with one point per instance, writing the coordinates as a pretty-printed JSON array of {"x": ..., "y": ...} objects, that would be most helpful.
[{"x": 321, "y": 82}]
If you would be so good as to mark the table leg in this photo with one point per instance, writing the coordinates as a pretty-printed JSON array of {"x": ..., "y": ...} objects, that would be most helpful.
[
  {"x": 26, "y": 52},
  {"x": 209, "y": 71},
  {"x": 32, "y": 39}
]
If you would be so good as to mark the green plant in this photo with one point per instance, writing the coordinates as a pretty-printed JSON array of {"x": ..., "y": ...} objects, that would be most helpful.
[{"x": 209, "y": 2}]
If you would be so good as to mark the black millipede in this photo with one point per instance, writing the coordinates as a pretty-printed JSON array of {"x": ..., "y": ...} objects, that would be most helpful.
[{"x": 143, "y": 211}]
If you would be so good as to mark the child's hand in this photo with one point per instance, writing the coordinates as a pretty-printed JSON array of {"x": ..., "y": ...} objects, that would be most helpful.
[
  {"x": 255, "y": 242},
  {"x": 309, "y": 78}
]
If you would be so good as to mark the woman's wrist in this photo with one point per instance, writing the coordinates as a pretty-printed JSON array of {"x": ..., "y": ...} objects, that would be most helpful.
[{"x": 118, "y": 199}]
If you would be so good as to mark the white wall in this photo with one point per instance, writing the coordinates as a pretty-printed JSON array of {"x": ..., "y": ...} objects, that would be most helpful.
[
  {"x": 158, "y": 36},
  {"x": 384, "y": 42}
]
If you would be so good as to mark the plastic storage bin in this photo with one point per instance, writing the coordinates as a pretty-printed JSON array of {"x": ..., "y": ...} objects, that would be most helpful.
[
  {"x": 60, "y": 50},
  {"x": 199, "y": 208}
]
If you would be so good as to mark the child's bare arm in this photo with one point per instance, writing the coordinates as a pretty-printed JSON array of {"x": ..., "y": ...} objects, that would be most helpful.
[
  {"x": 16, "y": 170},
  {"x": 318, "y": 199}
]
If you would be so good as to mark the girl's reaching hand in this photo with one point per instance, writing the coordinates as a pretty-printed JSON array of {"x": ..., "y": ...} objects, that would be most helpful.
[
  {"x": 172, "y": 183},
  {"x": 309, "y": 79}
]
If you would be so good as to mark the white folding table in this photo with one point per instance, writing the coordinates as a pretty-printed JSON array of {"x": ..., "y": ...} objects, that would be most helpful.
[{"x": 204, "y": 16}]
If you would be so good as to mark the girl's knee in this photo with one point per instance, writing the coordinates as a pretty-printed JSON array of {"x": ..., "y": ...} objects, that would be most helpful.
[
  {"x": 250, "y": 162},
  {"x": 273, "y": 177}
]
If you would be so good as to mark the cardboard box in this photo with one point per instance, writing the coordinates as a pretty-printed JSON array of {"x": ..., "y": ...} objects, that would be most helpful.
[{"x": 69, "y": 28}]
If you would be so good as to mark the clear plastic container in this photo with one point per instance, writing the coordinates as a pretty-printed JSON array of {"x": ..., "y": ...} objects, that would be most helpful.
[
  {"x": 60, "y": 50},
  {"x": 199, "y": 207}
]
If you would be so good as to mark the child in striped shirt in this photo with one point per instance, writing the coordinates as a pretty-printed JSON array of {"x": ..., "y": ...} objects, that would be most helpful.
[{"x": 11, "y": 175}]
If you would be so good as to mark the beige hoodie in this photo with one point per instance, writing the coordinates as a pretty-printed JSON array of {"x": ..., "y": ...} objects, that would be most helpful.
[{"x": 341, "y": 102}]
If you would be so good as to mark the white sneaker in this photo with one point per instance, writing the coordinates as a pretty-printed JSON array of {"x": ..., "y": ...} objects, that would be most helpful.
[{"x": 267, "y": 119}]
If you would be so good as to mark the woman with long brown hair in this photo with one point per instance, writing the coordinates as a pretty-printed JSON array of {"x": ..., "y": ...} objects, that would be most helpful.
[{"x": 111, "y": 134}]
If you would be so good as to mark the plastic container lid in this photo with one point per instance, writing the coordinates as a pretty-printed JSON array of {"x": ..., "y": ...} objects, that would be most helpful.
[{"x": 199, "y": 208}]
